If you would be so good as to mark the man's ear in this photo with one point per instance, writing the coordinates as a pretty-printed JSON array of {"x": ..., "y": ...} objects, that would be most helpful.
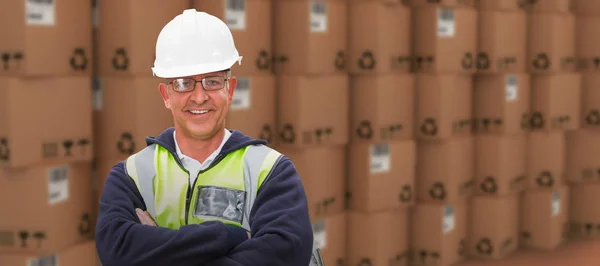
[
  {"x": 232, "y": 84},
  {"x": 163, "y": 89}
]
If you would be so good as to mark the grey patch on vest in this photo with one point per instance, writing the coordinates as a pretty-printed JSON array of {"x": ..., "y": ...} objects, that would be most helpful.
[{"x": 222, "y": 203}]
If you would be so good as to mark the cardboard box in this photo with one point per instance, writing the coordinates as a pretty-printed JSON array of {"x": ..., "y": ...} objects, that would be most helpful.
[
  {"x": 494, "y": 226},
  {"x": 546, "y": 160},
  {"x": 551, "y": 46},
  {"x": 444, "y": 106},
  {"x": 556, "y": 102},
  {"x": 445, "y": 170},
  {"x": 502, "y": 42},
  {"x": 252, "y": 110},
  {"x": 544, "y": 218},
  {"x": 501, "y": 103},
  {"x": 379, "y": 238},
  {"x": 331, "y": 235},
  {"x": 586, "y": 8},
  {"x": 310, "y": 36},
  {"x": 590, "y": 100},
  {"x": 382, "y": 176},
  {"x": 582, "y": 156},
  {"x": 500, "y": 164},
  {"x": 81, "y": 254},
  {"x": 57, "y": 214},
  {"x": 45, "y": 121},
  {"x": 500, "y": 5},
  {"x": 445, "y": 3},
  {"x": 250, "y": 25},
  {"x": 587, "y": 51},
  {"x": 313, "y": 110},
  {"x": 128, "y": 110},
  {"x": 584, "y": 215},
  {"x": 127, "y": 32},
  {"x": 46, "y": 38},
  {"x": 438, "y": 233},
  {"x": 383, "y": 107},
  {"x": 379, "y": 37},
  {"x": 323, "y": 172},
  {"x": 445, "y": 40},
  {"x": 551, "y": 6}
]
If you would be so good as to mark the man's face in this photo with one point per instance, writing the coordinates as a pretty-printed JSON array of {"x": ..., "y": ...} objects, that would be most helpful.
[{"x": 199, "y": 113}]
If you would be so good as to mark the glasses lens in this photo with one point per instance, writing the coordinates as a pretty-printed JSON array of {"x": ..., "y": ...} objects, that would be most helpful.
[
  {"x": 213, "y": 83},
  {"x": 183, "y": 84}
]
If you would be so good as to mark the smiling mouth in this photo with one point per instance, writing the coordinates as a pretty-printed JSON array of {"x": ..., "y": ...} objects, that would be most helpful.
[{"x": 198, "y": 112}]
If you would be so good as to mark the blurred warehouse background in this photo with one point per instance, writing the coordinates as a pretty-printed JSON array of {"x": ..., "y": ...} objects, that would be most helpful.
[{"x": 426, "y": 132}]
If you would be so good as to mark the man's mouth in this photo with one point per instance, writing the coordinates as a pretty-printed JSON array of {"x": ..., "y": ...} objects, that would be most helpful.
[{"x": 198, "y": 112}]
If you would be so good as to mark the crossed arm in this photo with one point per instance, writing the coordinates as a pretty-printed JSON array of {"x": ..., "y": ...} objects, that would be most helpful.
[{"x": 280, "y": 226}]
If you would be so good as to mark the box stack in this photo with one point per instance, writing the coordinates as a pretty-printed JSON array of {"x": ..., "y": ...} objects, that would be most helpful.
[
  {"x": 253, "y": 108},
  {"x": 444, "y": 47},
  {"x": 554, "y": 110},
  {"x": 501, "y": 95},
  {"x": 382, "y": 150},
  {"x": 583, "y": 153},
  {"x": 127, "y": 104},
  {"x": 313, "y": 109},
  {"x": 46, "y": 133}
]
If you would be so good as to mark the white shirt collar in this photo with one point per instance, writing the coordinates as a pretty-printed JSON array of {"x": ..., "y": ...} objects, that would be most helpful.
[{"x": 214, "y": 154}]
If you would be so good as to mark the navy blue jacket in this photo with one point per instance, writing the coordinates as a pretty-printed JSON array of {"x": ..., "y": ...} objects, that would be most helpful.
[{"x": 280, "y": 226}]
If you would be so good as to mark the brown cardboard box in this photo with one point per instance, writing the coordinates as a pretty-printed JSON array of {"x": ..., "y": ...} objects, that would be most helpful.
[
  {"x": 502, "y": 42},
  {"x": 46, "y": 38},
  {"x": 382, "y": 175},
  {"x": 78, "y": 255},
  {"x": 127, "y": 32},
  {"x": 131, "y": 109},
  {"x": 45, "y": 120},
  {"x": 252, "y": 110},
  {"x": 500, "y": 164},
  {"x": 383, "y": 107},
  {"x": 546, "y": 159},
  {"x": 582, "y": 156},
  {"x": 56, "y": 214},
  {"x": 445, "y": 40},
  {"x": 586, "y": 7},
  {"x": 494, "y": 226},
  {"x": 250, "y": 25},
  {"x": 500, "y": 5},
  {"x": 438, "y": 233},
  {"x": 378, "y": 238},
  {"x": 544, "y": 216},
  {"x": 587, "y": 51},
  {"x": 447, "y": 3},
  {"x": 556, "y": 102},
  {"x": 310, "y": 36},
  {"x": 323, "y": 173},
  {"x": 444, "y": 106},
  {"x": 313, "y": 110},
  {"x": 550, "y": 6},
  {"x": 584, "y": 215},
  {"x": 445, "y": 170},
  {"x": 330, "y": 235},
  {"x": 379, "y": 37},
  {"x": 590, "y": 103},
  {"x": 501, "y": 103},
  {"x": 551, "y": 46}
]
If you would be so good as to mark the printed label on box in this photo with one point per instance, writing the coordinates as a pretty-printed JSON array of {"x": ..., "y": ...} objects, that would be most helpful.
[
  {"x": 235, "y": 14},
  {"x": 511, "y": 88},
  {"x": 241, "y": 94},
  {"x": 40, "y": 12},
  {"x": 318, "y": 16},
  {"x": 449, "y": 221},
  {"x": 445, "y": 23},
  {"x": 58, "y": 184},
  {"x": 380, "y": 158}
]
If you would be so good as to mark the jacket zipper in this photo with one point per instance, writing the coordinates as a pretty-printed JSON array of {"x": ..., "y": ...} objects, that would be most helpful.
[{"x": 188, "y": 196}]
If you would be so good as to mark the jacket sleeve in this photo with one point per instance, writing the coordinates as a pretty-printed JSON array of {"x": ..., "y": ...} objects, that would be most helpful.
[
  {"x": 280, "y": 224},
  {"x": 122, "y": 240}
]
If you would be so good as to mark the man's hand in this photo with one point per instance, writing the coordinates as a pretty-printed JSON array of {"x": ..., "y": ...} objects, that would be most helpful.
[{"x": 145, "y": 217}]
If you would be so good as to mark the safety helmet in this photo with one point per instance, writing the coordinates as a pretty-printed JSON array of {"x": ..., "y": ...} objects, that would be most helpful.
[{"x": 194, "y": 43}]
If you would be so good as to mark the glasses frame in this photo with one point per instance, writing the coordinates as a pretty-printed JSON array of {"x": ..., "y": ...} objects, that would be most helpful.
[{"x": 201, "y": 81}]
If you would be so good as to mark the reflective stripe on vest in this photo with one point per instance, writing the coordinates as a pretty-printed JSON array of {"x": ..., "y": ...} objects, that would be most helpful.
[{"x": 243, "y": 170}]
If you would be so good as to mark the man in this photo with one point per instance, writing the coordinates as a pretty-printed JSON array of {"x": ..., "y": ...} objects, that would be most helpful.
[{"x": 199, "y": 194}]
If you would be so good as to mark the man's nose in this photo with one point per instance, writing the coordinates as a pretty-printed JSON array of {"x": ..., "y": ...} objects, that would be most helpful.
[{"x": 199, "y": 95}]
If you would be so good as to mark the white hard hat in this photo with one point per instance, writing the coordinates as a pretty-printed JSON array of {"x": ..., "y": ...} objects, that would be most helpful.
[{"x": 194, "y": 43}]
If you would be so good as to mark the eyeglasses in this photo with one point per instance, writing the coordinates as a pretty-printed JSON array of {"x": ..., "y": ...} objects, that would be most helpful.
[{"x": 189, "y": 84}]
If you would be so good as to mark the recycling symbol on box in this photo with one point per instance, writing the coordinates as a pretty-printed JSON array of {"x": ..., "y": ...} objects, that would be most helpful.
[
  {"x": 489, "y": 185},
  {"x": 85, "y": 224},
  {"x": 593, "y": 118},
  {"x": 4, "y": 150},
  {"x": 485, "y": 247},
  {"x": 266, "y": 133},
  {"x": 288, "y": 135},
  {"x": 438, "y": 191},
  {"x": 429, "y": 127},
  {"x": 126, "y": 144},
  {"x": 340, "y": 60},
  {"x": 367, "y": 60},
  {"x": 120, "y": 61},
  {"x": 406, "y": 193},
  {"x": 541, "y": 62},
  {"x": 364, "y": 130},
  {"x": 262, "y": 61},
  {"x": 365, "y": 262},
  {"x": 79, "y": 60},
  {"x": 545, "y": 179}
]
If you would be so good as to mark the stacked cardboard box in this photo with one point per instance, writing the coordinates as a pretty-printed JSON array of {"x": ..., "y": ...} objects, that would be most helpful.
[
  {"x": 309, "y": 44},
  {"x": 444, "y": 46},
  {"x": 583, "y": 154},
  {"x": 382, "y": 150},
  {"x": 127, "y": 104},
  {"x": 45, "y": 133}
]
